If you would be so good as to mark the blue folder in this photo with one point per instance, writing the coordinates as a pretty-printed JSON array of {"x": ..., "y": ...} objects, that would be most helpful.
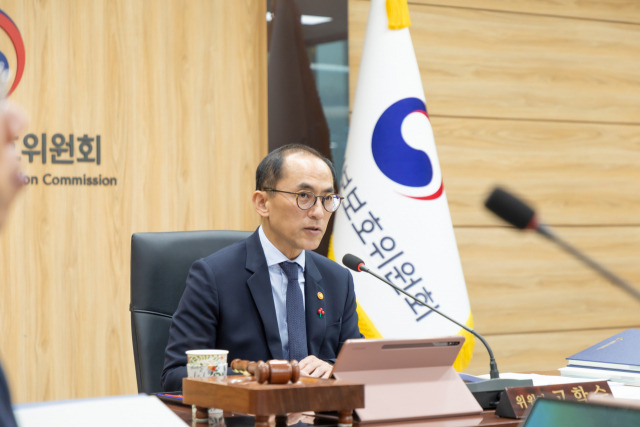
[{"x": 621, "y": 351}]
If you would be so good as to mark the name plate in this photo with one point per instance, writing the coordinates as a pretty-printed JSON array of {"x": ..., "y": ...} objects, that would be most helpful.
[{"x": 515, "y": 401}]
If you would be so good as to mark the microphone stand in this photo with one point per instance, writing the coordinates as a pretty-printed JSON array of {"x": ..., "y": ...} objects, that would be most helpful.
[
  {"x": 486, "y": 392},
  {"x": 612, "y": 277}
]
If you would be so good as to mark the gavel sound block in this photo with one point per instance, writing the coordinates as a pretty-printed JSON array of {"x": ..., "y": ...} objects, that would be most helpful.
[{"x": 244, "y": 394}]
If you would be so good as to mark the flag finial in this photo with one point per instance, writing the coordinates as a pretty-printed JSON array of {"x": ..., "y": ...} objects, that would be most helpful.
[{"x": 398, "y": 14}]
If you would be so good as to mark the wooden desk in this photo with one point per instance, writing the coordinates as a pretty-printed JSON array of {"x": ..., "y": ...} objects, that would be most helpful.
[
  {"x": 246, "y": 396},
  {"x": 486, "y": 419}
]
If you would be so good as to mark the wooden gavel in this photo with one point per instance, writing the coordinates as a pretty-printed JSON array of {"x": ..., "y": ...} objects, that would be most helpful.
[{"x": 272, "y": 371}]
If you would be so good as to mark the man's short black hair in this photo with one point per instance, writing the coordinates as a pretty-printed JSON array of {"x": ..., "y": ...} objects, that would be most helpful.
[{"x": 269, "y": 170}]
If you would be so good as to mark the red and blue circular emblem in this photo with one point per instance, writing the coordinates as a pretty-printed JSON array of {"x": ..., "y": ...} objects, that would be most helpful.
[
  {"x": 11, "y": 30},
  {"x": 403, "y": 164}
]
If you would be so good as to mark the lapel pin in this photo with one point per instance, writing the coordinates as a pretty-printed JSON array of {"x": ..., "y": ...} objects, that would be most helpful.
[
  {"x": 320, "y": 312},
  {"x": 320, "y": 295}
]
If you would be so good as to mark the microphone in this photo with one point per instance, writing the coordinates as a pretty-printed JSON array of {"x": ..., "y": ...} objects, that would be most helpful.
[
  {"x": 486, "y": 392},
  {"x": 520, "y": 215}
]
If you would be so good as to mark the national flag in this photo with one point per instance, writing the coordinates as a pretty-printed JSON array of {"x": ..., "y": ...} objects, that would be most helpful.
[{"x": 395, "y": 215}]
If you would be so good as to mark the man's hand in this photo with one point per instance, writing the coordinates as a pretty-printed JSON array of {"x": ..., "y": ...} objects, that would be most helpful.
[
  {"x": 12, "y": 120},
  {"x": 314, "y": 367}
]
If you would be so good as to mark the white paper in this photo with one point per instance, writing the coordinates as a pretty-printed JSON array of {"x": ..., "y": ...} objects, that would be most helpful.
[{"x": 120, "y": 411}]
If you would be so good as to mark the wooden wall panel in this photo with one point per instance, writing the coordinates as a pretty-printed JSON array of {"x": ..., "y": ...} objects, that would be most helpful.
[
  {"x": 543, "y": 98},
  {"x": 535, "y": 352},
  {"x": 520, "y": 282},
  {"x": 573, "y": 173},
  {"x": 489, "y": 64},
  {"x": 177, "y": 91},
  {"x": 598, "y": 10}
]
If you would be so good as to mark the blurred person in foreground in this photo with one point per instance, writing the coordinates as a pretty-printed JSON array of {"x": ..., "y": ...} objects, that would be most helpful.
[
  {"x": 269, "y": 296},
  {"x": 12, "y": 121}
]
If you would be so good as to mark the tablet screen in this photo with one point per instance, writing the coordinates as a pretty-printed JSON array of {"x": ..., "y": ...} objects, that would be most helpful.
[{"x": 551, "y": 412}]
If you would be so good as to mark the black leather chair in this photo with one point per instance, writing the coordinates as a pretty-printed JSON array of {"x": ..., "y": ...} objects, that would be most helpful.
[{"x": 160, "y": 263}]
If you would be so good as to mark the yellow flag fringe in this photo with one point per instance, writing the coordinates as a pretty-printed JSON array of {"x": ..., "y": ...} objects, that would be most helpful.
[
  {"x": 366, "y": 326},
  {"x": 398, "y": 14},
  {"x": 466, "y": 352}
]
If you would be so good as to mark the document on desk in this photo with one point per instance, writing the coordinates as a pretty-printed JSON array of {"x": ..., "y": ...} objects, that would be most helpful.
[
  {"x": 619, "y": 390},
  {"x": 132, "y": 410}
]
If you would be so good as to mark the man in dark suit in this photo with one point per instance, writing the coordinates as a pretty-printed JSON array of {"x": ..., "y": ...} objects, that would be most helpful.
[
  {"x": 11, "y": 180},
  {"x": 269, "y": 296}
]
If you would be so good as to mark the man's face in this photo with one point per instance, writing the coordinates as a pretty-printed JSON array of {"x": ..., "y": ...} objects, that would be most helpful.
[{"x": 288, "y": 227}]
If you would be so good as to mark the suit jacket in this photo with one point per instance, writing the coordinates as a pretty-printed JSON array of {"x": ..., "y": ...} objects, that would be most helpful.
[
  {"x": 6, "y": 412},
  {"x": 228, "y": 304}
]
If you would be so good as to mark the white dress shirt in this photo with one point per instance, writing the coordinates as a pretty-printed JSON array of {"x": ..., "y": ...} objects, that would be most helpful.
[{"x": 279, "y": 283}]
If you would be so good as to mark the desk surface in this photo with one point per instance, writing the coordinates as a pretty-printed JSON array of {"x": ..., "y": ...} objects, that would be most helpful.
[{"x": 487, "y": 418}]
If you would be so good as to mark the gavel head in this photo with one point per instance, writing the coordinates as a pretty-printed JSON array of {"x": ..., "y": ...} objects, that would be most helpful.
[
  {"x": 262, "y": 372},
  {"x": 273, "y": 371},
  {"x": 295, "y": 371},
  {"x": 281, "y": 371}
]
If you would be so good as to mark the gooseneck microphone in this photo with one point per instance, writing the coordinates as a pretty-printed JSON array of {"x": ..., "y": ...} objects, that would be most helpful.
[
  {"x": 356, "y": 264},
  {"x": 511, "y": 209},
  {"x": 486, "y": 392},
  {"x": 520, "y": 215}
]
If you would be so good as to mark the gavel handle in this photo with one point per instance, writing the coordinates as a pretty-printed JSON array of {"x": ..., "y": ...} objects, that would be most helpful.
[{"x": 244, "y": 366}]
